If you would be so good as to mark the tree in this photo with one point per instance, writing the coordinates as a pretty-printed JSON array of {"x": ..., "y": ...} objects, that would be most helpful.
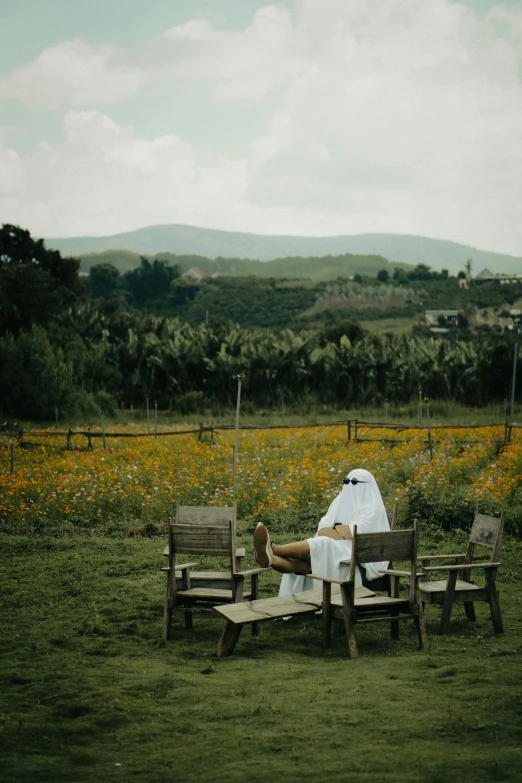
[
  {"x": 18, "y": 248},
  {"x": 105, "y": 281},
  {"x": 421, "y": 272},
  {"x": 333, "y": 332},
  {"x": 35, "y": 283},
  {"x": 399, "y": 275},
  {"x": 467, "y": 266},
  {"x": 150, "y": 280},
  {"x": 36, "y": 378},
  {"x": 383, "y": 275}
]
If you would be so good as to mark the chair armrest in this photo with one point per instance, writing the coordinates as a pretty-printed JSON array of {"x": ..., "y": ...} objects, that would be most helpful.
[
  {"x": 251, "y": 572},
  {"x": 332, "y": 581},
  {"x": 394, "y": 572},
  {"x": 180, "y": 566},
  {"x": 240, "y": 551},
  {"x": 440, "y": 557},
  {"x": 461, "y": 566}
]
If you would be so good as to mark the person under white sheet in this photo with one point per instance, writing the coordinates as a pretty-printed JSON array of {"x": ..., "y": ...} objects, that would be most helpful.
[{"x": 359, "y": 503}]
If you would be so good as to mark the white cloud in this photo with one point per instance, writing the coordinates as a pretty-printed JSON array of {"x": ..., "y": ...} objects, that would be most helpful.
[
  {"x": 73, "y": 74},
  {"x": 103, "y": 178},
  {"x": 244, "y": 65},
  {"x": 396, "y": 115},
  {"x": 195, "y": 30}
]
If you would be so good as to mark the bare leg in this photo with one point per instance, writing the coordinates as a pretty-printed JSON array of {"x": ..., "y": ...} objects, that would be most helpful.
[
  {"x": 288, "y": 565},
  {"x": 286, "y": 558},
  {"x": 298, "y": 549}
]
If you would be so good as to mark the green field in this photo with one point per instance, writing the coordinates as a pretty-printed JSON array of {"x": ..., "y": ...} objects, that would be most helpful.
[{"x": 90, "y": 692}]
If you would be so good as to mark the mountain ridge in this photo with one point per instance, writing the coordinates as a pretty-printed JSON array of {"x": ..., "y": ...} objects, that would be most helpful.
[{"x": 214, "y": 243}]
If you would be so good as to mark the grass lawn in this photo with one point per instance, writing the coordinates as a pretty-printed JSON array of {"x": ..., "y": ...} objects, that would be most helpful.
[
  {"x": 90, "y": 692},
  {"x": 390, "y": 325}
]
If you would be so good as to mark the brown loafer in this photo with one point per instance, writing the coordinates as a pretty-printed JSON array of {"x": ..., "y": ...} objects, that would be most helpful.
[{"x": 262, "y": 546}]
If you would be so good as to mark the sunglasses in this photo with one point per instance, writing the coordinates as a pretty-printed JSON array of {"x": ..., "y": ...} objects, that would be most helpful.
[{"x": 354, "y": 481}]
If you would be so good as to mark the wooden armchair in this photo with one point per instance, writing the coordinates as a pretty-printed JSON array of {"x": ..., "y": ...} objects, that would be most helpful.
[
  {"x": 383, "y": 582},
  {"x": 205, "y": 531},
  {"x": 371, "y": 548},
  {"x": 458, "y": 586}
]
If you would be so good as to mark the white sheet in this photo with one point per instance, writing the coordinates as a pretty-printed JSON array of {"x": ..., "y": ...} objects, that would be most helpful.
[{"x": 360, "y": 504}]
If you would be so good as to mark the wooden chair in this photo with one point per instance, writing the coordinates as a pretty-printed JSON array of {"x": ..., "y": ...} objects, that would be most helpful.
[
  {"x": 208, "y": 515},
  {"x": 342, "y": 598},
  {"x": 383, "y": 582},
  {"x": 371, "y": 548},
  {"x": 204, "y": 531},
  {"x": 458, "y": 587}
]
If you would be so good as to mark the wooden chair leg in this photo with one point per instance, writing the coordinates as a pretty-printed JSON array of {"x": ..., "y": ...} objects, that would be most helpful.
[
  {"x": 470, "y": 611},
  {"x": 254, "y": 595},
  {"x": 228, "y": 639},
  {"x": 494, "y": 605},
  {"x": 327, "y": 614},
  {"x": 395, "y": 632},
  {"x": 447, "y": 606},
  {"x": 167, "y": 612},
  {"x": 394, "y": 593},
  {"x": 347, "y": 596},
  {"x": 188, "y": 619},
  {"x": 167, "y": 621},
  {"x": 419, "y": 622}
]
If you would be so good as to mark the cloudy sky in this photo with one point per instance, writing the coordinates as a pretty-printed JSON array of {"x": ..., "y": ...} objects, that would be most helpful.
[{"x": 311, "y": 117}]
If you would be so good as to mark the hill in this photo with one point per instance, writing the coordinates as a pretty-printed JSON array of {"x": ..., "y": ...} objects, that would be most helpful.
[
  {"x": 215, "y": 244},
  {"x": 314, "y": 268}
]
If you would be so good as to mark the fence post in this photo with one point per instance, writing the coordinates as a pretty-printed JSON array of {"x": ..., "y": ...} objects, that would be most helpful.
[
  {"x": 349, "y": 423},
  {"x": 200, "y": 430},
  {"x": 236, "y": 435},
  {"x": 513, "y": 382},
  {"x": 429, "y": 427},
  {"x": 89, "y": 439},
  {"x": 507, "y": 432},
  {"x": 11, "y": 454},
  {"x": 103, "y": 432},
  {"x": 355, "y": 437},
  {"x": 68, "y": 439}
]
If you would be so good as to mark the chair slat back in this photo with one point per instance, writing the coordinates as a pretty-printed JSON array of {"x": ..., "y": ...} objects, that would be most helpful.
[
  {"x": 391, "y": 545},
  {"x": 487, "y": 532},
  {"x": 202, "y": 539},
  {"x": 391, "y": 513},
  {"x": 205, "y": 515}
]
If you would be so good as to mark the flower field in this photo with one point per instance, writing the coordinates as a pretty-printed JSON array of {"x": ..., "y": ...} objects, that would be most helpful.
[{"x": 135, "y": 483}]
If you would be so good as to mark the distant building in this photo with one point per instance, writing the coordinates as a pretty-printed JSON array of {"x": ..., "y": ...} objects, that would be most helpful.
[
  {"x": 484, "y": 276},
  {"x": 506, "y": 279},
  {"x": 194, "y": 273},
  {"x": 488, "y": 277},
  {"x": 441, "y": 318}
]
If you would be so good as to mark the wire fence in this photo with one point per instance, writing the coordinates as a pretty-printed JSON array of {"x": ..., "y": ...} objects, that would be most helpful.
[{"x": 356, "y": 431}]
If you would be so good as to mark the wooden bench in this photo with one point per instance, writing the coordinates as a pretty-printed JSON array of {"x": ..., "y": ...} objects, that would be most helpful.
[
  {"x": 247, "y": 612},
  {"x": 343, "y": 598}
]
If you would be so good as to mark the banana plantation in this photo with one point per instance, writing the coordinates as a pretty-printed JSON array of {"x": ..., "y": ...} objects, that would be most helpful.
[{"x": 126, "y": 357}]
